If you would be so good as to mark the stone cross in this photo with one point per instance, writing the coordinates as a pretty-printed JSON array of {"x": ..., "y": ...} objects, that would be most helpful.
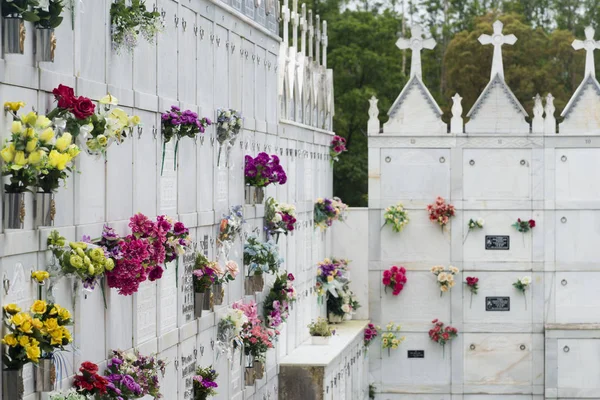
[
  {"x": 303, "y": 28},
  {"x": 311, "y": 34},
  {"x": 317, "y": 39},
  {"x": 589, "y": 44},
  {"x": 497, "y": 40},
  {"x": 285, "y": 16},
  {"x": 295, "y": 20},
  {"x": 416, "y": 43},
  {"x": 324, "y": 43}
]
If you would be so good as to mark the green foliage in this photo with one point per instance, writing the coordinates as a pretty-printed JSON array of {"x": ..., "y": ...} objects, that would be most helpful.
[
  {"x": 21, "y": 8},
  {"x": 51, "y": 18}
]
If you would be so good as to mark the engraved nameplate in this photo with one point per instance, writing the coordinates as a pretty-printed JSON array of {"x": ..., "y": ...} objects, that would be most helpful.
[
  {"x": 497, "y": 304},
  {"x": 497, "y": 242},
  {"x": 416, "y": 353}
]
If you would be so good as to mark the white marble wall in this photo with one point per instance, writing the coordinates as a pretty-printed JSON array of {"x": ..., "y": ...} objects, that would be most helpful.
[{"x": 201, "y": 69}]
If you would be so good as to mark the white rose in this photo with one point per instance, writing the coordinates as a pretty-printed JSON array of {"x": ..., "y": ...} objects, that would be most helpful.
[
  {"x": 225, "y": 125},
  {"x": 443, "y": 277},
  {"x": 480, "y": 222},
  {"x": 277, "y": 218},
  {"x": 526, "y": 280},
  {"x": 452, "y": 269},
  {"x": 239, "y": 122},
  {"x": 346, "y": 308},
  {"x": 227, "y": 114}
]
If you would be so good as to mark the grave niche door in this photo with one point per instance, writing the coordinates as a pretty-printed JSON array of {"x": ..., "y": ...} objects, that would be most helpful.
[
  {"x": 188, "y": 46},
  {"x": 167, "y": 53},
  {"x": 573, "y": 380}
]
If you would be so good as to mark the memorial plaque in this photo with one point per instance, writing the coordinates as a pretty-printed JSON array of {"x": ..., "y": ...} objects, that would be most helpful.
[
  {"x": 168, "y": 182},
  {"x": 188, "y": 370},
  {"x": 168, "y": 299},
  {"x": 205, "y": 245},
  {"x": 497, "y": 242},
  {"x": 146, "y": 312},
  {"x": 416, "y": 353},
  {"x": 497, "y": 304},
  {"x": 187, "y": 286}
]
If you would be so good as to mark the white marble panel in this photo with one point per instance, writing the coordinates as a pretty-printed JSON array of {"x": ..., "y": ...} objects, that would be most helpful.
[
  {"x": 145, "y": 313},
  {"x": 497, "y": 174},
  {"x": 572, "y": 181},
  {"x": 167, "y": 52},
  {"x": 188, "y": 44},
  {"x": 187, "y": 176},
  {"x": 119, "y": 181},
  {"x": 205, "y": 65},
  {"x": 221, "y": 96},
  {"x": 168, "y": 180},
  {"x": 90, "y": 189},
  {"x": 577, "y": 297},
  {"x": 248, "y": 80},
  {"x": 578, "y": 367},
  {"x": 92, "y": 61},
  {"x": 577, "y": 234},
  {"x": 187, "y": 358},
  {"x": 119, "y": 317},
  {"x": 271, "y": 89},
  {"x": 423, "y": 174},
  {"x": 89, "y": 311},
  {"x": 145, "y": 165},
  {"x": 167, "y": 299},
  {"x": 169, "y": 382},
  {"x": 236, "y": 58}
]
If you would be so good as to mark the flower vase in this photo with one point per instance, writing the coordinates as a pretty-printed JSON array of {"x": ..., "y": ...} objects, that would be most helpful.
[
  {"x": 335, "y": 319},
  {"x": 14, "y": 210},
  {"x": 259, "y": 283},
  {"x": 45, "y": 44},
  {"x": 12, "y": 384},
  {"x": 222, "y": 136},
  {"x": 259, "y": 369},
  {"x": 206, "y": 302},
  {"x": 249, "y": 375},
  {"x": 218, "y": 293},
  {"x": 320, "y": 340},
  {"x": 14, "y": 34},
  {"x": 348, "y": 317},
  {"x": 45, "y": 375},
  {"x": 249, "y": 285},
  {"x": 254, "y": 195},
  {"x": 44, "y": 209},
  {"x": 198, "y": 304}
]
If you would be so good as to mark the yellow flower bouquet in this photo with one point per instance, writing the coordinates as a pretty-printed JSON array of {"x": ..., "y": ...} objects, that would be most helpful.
[{"x": 34, "y": 335}]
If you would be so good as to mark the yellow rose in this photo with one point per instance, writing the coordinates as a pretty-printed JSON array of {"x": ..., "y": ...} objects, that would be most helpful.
[
  {"x": 12, "y": 309},
  {"x": 119, "y": 115},
  {"x": 24, "y": 340},
  {"x": 329, "y": 278},
  {"x": 37, "y": 323},
  {"x": 42, "y": 122},
  {"x": 51, "y": 324},
  {"x": 67, "y": 334},
  {"x": 8, "y": 153},
  {"x": 55, "y": 310},
  {"x": 64, "y": 314},
  {"x": 47, "y": 135},
  {"x": 39, "y": 307},
  {"x": 31, "y": 145},
  {"x": 58, "y": 160},
  {"x": 134, "y": 120},
  {"x": 26, "y": 327},
  {"x": 33, "y": 353},
  {"x": 63, "y": 142},
  {"x": 19, "y": 318},
  {"x": 108, "y": 99},
  {"x": 29, "y": 133},
  {"x": 29, "y": 119},
  {"x": 102, "y": 140},
  {"x": 10, "y": 340},
  {"x": 40, "y": 276},
  {"x": 13, "y": 106},
  {"x": 36, "y": 157},
  {"x": 20, "y": 158},
  {"x": 73, "y": 151},
  {"x": 57, "y": 337},
  {"x": 16, "y": 127}
]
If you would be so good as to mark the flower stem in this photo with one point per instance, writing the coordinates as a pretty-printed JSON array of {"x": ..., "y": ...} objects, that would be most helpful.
[{"x": 471, "y": 305}]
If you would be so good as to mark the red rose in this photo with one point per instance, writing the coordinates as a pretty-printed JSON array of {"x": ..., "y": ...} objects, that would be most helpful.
[
  {"x": 386, "y": 281},
  {"x": 83, "y": 108},
  {"x": 387, "y": 274},
  {"x": 445, "y": 336},
  {"x": 434, "y": 321},
  {"x": 403, "y": 270},
  {"x": 394, "y": 269},
  {"x": 531, "y": 223},
  {"x": 88, "y": 367},
  {"x": 65, "y": 96}
]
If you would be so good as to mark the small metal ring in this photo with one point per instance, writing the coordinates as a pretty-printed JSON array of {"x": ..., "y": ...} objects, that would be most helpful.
[
  {"x": 566, "y": 349},
  {"x": 563, "y": 282},
  {"x": 563, "y": 158},
  {"x": 472, "y": 162},
  {"x": 472, "y": 347},
  {"x": 523, "y": 162},
  {"x": 563, "y": 220},
  {"x": 442, "y": 160},
  {"x": 523, "y": 347},
  {"x": 388, "y": 159}
]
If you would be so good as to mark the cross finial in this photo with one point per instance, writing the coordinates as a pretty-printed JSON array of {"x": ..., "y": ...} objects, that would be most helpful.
[
  {"x": 324, "y": 42},
  {"x": 295, "y": 20},
  {"x": 416, "y": 43},
  {"x": 303, "y": 29},
  {"x": 497, "y": 40},
  {"x": 317, "y": 39},
  {"x": 311, "y": 33},
  {"x": 285, "y": 16},
  {"x": 589, "y": 44}
]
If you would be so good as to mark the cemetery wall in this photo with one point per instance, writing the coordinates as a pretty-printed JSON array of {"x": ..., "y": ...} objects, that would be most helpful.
[{"x": 212, "y": 55}]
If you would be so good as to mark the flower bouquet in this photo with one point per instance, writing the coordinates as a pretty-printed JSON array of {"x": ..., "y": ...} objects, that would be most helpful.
[
  {"x": 259, "y": 257},
  {"x": 444, "y": 278},
  {"x": 229, "y": 123},
  {"x": 260, "y": 172},
  {"x": 396, "y": 216},
  {"x": 371, "y": 332},
  {"x": 178, "y": 124},
  {"x": 341, "y": 306},
  {"x": 85, "y": 260},
  {"x": 473, "y": 224},
  {"x": 442, "y": 335},
  {"x": 34, "y": 337},
  {"x": 71, "y": 394},
  {"x": 473, "y": 284},
  {"x": 129, "y": 21},
  {"x": 389, "y": 339},
  {"x": 135, "y": 375},
  {"x": 328, "y": 210},
  {"x": 22, "y": 161},
  {"x": 229, "y": 228},
  {"x": 331, "y": 276},
  {"x": 337, "y": 147},
  {"x": 71, "y": 113},
  {"x": 277, "y": 303},
  {"x": 228, "y": 274},
  {"x": 205, "y": 274},
  {"x": 522, "y": 285},
  {"x": 395, "y": 279},
  {"x": 229, "y": 330},
  {"x": 440, "y": 212},
  {"x": 279, "y": 218},
  {"x": 88, "y": 384},
  {"x": 320, "y": 331},
  {"x": 205, "y": 383}
]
